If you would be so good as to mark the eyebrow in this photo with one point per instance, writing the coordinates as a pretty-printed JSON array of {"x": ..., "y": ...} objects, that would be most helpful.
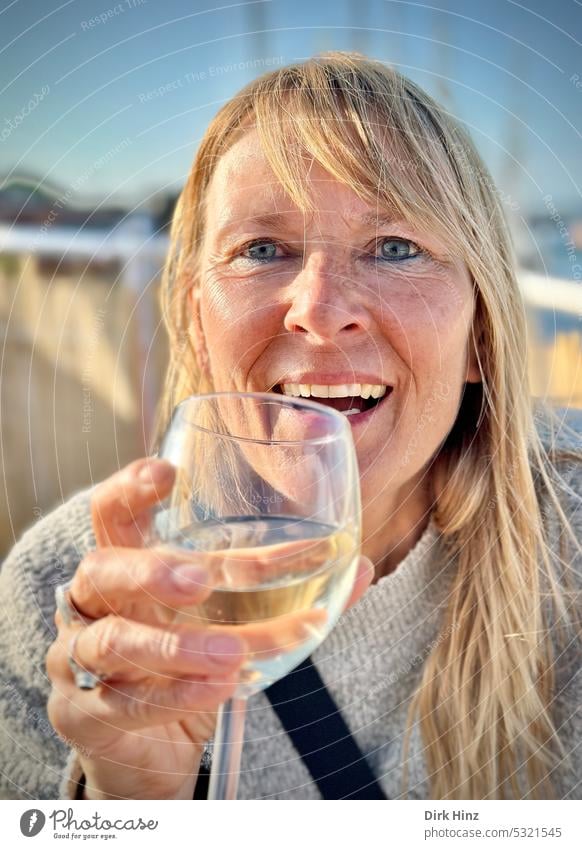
[
  {"x": 277, "y": 220},
  {"x": 378, "y": 219}
]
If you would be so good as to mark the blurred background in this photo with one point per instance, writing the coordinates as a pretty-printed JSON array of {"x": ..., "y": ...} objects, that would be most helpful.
[{"x": 103, "y": 107}]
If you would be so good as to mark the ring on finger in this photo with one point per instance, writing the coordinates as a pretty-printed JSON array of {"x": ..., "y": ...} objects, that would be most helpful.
[
  {"x": 67, "y": 607},
  {"x": 84, "y": 678}
]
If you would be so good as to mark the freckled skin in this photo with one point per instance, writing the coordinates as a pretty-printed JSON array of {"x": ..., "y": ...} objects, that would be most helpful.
[{"x": 325, "y": 302}]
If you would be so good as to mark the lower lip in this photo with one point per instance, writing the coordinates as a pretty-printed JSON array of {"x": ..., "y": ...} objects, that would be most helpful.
[{"x": 359, "y": 418}]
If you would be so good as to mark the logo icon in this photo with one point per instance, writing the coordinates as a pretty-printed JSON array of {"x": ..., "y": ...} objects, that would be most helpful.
[{"x": 32, "y": 822}]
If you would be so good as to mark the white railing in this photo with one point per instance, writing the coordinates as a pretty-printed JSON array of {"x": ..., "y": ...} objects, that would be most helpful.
[{"x": 142, "y": 255}]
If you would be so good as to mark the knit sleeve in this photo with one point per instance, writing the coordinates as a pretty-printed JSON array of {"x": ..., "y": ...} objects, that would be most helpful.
[
  {"x": 567, "y": 703},
  {"x": 32, "y": 756},
  {"x": 73, "y": 780}
]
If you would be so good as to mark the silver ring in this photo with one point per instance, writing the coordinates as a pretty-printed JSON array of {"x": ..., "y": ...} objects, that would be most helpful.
[
  {"x": 66, "y": 607},
  {"x": 84, "y": 679}
]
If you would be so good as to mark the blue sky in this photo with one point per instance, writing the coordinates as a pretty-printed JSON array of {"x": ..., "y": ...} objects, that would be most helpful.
[{"x": 506, "y": 69}]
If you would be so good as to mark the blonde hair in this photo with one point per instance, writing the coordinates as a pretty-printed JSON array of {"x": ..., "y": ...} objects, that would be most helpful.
[{"x": 483, "y": 701}]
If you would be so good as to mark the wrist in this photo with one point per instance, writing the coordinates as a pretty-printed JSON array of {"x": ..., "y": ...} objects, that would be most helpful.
[{"x": 107, "y": 781}]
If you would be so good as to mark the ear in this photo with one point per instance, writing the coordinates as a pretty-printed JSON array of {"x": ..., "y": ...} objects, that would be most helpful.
[
  {"x": 196, "y": 332},
  {"x": 474, "y": 349}
]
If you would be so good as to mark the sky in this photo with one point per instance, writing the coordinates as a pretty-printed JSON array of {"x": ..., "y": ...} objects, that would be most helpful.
[{"x": 110, "y": 99}]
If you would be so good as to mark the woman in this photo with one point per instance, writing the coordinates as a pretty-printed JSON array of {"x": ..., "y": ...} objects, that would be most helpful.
[{"x": 337, "y": 228}]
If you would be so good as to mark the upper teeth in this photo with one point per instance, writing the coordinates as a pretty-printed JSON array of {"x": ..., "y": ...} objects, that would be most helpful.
[{"x": 343, "y": 390}]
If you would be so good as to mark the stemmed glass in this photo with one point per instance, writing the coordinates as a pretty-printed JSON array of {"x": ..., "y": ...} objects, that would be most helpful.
[{"x": 269, "y": 484}]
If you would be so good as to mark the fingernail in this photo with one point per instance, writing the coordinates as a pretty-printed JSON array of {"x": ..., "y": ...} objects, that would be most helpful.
[
  {"x": 223, "y": 649},
  {"x": 154, "y": 472},
  {"x": 189, "y": 579}
]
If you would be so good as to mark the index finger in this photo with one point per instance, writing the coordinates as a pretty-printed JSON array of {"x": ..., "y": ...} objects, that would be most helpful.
[
  {"x": 243, "y": 568},
  {"x": 120, "y": 506}
]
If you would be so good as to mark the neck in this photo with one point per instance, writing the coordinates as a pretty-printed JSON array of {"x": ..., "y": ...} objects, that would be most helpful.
[{"x": 390, "y": 531}]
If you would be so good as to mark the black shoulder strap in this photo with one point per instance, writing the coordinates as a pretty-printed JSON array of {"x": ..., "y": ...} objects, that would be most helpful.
[{"x": 319, "y": 733}]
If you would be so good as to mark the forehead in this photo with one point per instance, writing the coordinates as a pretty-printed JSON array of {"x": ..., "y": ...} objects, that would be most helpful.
[{"x": 244, "y": 183}]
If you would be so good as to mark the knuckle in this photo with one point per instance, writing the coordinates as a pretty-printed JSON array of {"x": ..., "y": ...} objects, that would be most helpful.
[
  {"x": 113, "y": 490},
  {"x": 188, "y": 694},
  {"x": 70, "y": 725},
  {"x": 57, "y": 711},
  {"x": 127, "y": 480},
  {"x": 152, "y": 570},
  {"x": 108, "y": 640},
  {"x": 169, "y": 645},
  {"x": 54, "y": 660},
  {"x": 139, "y": 705},
  {"x": 90, "y": 563},
  {"x": 86, "y": 574},
  {"x": 124, "y": 475},
  {"x": 131, "y": 471}
]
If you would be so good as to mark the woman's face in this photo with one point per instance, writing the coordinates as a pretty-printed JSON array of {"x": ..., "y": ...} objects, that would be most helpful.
[{"x": 346, "y": 301}]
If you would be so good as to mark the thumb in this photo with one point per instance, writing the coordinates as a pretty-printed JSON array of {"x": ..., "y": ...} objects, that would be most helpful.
[{"x": 121, "y": 505}]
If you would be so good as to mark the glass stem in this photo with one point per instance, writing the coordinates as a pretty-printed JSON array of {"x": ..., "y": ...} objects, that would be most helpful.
[{"x": 228, "y": 743}]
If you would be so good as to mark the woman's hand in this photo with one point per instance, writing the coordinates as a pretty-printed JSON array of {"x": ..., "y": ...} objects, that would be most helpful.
[{"x": 140, "y": 733}]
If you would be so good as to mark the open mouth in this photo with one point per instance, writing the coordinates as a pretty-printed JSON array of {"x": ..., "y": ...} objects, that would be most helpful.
[{"x": 352, "y": 400}]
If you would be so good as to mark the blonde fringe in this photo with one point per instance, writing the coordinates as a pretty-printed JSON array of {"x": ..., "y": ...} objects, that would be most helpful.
[{"x": 483, "y": 703}]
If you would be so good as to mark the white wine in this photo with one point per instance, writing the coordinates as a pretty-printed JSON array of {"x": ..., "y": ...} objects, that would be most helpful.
[{"x": 278, "y": 570}]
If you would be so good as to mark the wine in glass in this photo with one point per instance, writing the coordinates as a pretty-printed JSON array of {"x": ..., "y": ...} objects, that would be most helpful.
[{"x": 267, "y": 486}]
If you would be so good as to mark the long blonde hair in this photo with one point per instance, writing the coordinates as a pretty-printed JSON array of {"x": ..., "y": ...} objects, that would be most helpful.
[{"x": 483, "y": 701}]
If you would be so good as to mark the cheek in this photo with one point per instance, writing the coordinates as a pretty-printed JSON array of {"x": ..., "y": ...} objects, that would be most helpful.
[
  {"x": 428, "y": 330},
  {"x": 428, "y": 322},
  {"x": 236, "y": 327}
]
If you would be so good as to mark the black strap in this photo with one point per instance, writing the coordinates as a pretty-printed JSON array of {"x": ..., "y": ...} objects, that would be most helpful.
[
  {"x": 80, "y": 788},
  {"x": 203, "y": 783},
  {"x": 319, "y": 733}
]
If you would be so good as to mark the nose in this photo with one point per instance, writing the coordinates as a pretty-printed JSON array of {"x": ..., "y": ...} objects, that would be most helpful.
[{"x": 325, "y": 302}]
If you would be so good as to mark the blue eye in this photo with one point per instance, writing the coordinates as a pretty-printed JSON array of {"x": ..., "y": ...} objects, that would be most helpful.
[
  {"x": 398, "y": 249},
  {"x": 261, "y": 251},
  {"x": 391, "y": 250}
]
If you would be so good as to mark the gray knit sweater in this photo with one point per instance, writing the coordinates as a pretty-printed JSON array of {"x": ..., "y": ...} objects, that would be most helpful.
[{"x": 371, "y": 664}]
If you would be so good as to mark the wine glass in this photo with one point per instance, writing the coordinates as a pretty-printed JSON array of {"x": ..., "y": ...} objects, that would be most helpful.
[{"x": 269, "y": 484}]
